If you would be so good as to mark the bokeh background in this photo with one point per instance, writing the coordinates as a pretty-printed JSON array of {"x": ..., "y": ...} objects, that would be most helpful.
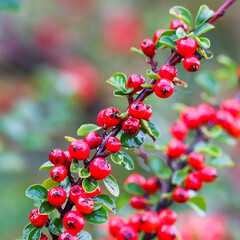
[{"x": 55, "y": 57}]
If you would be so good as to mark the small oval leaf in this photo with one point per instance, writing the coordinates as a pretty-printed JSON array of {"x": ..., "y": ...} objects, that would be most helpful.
[
  {"x": 97, "y": 217},
  {"x": 89, "y": 185},
  {"x": 111, "y": 185},
  {"x": 37, "y": 192},
  {"x": 87, "y": 128}
]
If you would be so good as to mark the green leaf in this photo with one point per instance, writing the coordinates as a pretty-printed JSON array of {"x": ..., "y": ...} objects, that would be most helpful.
[
  {"x": 208, "y": 148},
  {"x": 65, "y": 183},
  {"x": 89, "y": 185},
  {"x": 137, "y": 51},
  {"x": 46, "y": 208},
  {"x": 179, "y": 176},
  {"x": 74, "y": 166},
  {"x": 180, "y": 32},
  {"x": 198, "y": 204},
  {"x": 111, "y": 185},
  {"x": 228, "y": 62},
  {"x": 168, "y": 33},
  {"x": 117, "y": 158},
  {"x": 213, "y": 133},
  {"x": 56, "y": 226},
  {"x": 47, "y": 166},
  {"x": 97, "y": 217},
  {"x": 203, "y": 29},
  {"x": 37, "y": 192},
  {"x": 134, "y": 189},
  {"x": 166, "y": 173},
  {"x": 203, "y": 42},
  {"x": 35, "y": 234},
  {"x": 84, "y": 173},
  {"x": 49, "y": 183},
  {"x": 28, "y": 228},
  {"x": 147, "y": 85},
  {"x": 222, "y": 161},
  {"x": 124, "y": 159},
  {"x": 152, "y": 74},
  {"x": 119, "y": 80},
  {"x": 150, "y": 128},
  {"x": 87, "y": 128},
  {"x": 168, "y": 42},
  {"x": 83, "y": 235},
  {"x": 9, "y": 4},
  {"x": 106, "y": 202},
  {"x": 182, "y": 13},
  {"x": 226, "y": 139},
  {"x": 156, "y": 164},
  {"x": 132, "y": 141},
  {"x": 204, "y": 13},
  {"x": 122, "y": 200}
]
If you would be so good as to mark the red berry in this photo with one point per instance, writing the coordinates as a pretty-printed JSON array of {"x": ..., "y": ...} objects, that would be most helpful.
[
  {"x": 137, "y": 109},
  {"x": 135, "y": 221},
  {"x": 152, "y": 185},
  {"x": 179, "y": 130},
  {"x": 191, "y": 117},
  {"x": 74, "y": 222},
  {"x": 76, "y": 192},
  {"x": 167, "y": 232},
  {"x": 157, "y": 34},
  {"x": 224, "y": 119},
  {"x": 186, "y": 46},
  {"x": 148, "y": 113},
  {"x": 68, "y": 159},
  {"x": 135, "y": 178},
  {"x": 58, "y": 173},
  {"x": 93, "y": 140},
  {"x": 79, "y": 150},
  {"x": 100, "y": 118},
  {"x": 131, "y": 125},
  {"x": 99, "y": 168},
  {"x": 180, "y": 195},
  {"x": 94, "y": 193},
  {"x": 37, "y": 219},
  {"x": 127, "y": 233},
  {"x": 43, "y": 236},
  {"x": 148, "y": 47},
  {"x": 167, "y": 216},
  {"x": 57, "y": 196},
  {"x": 207, "y": 113},
  {"x": 208, "y": 174},
  {"x": 110, "y": 117},
  {"x": 85, "y": 205},
  {"x": 138, "y": 202},
  {"x": 193, "y": 181},
  {"x": 135, "y": 81},
  {"x": 191, "y": 63},
  {"x": 56, "y": 156},
  {"x": 115, "y": 225},
  {"x": 167, "y": 71},
  {"x": 67, "y": 236},
  {"x": 163, "y": 88},
  {"x": 176, "y": 148},
  {"x": 232, "y": 106},
  {"x": 175, "y": 24},
  {"x": 196, "y": 160},
  {"x": 113, "y": 144},
  {"x": 149, "y": 222},
  {"x": 234, "y": 130}
]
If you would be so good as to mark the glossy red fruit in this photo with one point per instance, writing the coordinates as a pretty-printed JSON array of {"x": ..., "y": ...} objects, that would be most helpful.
[
  {"x": 224, "y": 119},
  {"x": 137, "y": 109},
  {"x": 196, "y": 160},
  {"x": 149, "y": 222},
  {"x": 74, "y": 222},
  {"x": 100, "y": 168},
  {"x": 191, "y": 117},
  {"x": 186, "y": 46},
  {"x": 135, "y": 81},
  {"x": 67, "y": 236},
  {"x": 113, "y": 144},
  {"x": 37, "y": 219},
  {"x": 152, "y": 185},
  {"x": 68, "y": 159},
  {"x": 179, "y": 130},
  {"x": 193, "y": 181},
  {"x": 191, "y": 63},
  {"x": 167, "y": 232},
  {"x": 234, "y": 130},
  {"x": 157, "y": 34},
  {"x": 176, "y": 148},
  {"x": 208, "y": 174},
  {"x": 138, "y": 202},
  {"x": 148, "y": 47},
  {"x": 180, "y": 195},
  {"x": 175, "y": 24},
  {"x": 135, "y": 178},
  {"x": 94, "y": 193},
  {"x": 167, "y": 216},
  {"x": 100, "y": 118},
  {"x": 93, "y": 140},
  {"x": 76, "y": 192},
  {"x": 135, "y": 221},
  {"x": 58, "y": 173},
  {"x": 148, "y": 113},
  {"x": 232, "y": 106},
  {"x": 85, "y": 205},
  {"x": 207, "y": 113},
  {"x": 110, "y": 117},
  {"x": 115, "y": 224},
  {"x": 163, "y": 88},
  {"x": 43, "y": 236},
  {"x": 57, "y": 196},
  {"x": 167, "y": 71},
  {"x": 131, "y": 125},
  {"x": 127, "y": 233},
  {"x": 79, "y": 150},
  {"x": 56, "y": 156}
]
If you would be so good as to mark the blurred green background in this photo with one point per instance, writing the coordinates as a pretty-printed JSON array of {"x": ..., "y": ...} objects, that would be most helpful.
[{"x": 54, "y": 59}]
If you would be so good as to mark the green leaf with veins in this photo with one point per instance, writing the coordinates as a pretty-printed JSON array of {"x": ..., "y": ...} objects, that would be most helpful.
[
  {"x": 37, "y": 192},
  {"x": 97, "y": 217},
  {"x": 89, "y": 185},
  {"x": 198, "y": 204},
  {"x": 134, "y": 189},
  {"x": 132, "y": 141},
  {"x": 204, "y": 13},
  {"x": 180, "y": 32},
  {"x": 168, "y": 42},
  {"x": 203, "y": 29},
  {"x": 87, "y": 128},
  {"x": 111, "y": 185},
  {"x": 182, "y": 13}
]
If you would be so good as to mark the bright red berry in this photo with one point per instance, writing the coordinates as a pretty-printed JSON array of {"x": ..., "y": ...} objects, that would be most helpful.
[
  {"x": 58, "y": 173},
  {"x": 148, "y": 47},
  {"x": 43, "y": 236},
  {"x": 179, "y": 130},
  {"x": 74, "y": 222},
  {"x": 79, "y": 150},
  {"x": 163, "y": 88},
  {"x": 193, "y": 181},
  {"x": 138, "y": 202},
  {"x": 152, "y": 185},
  {"x": 167, "y": 216},
  {"x": 207, "y": 113},
  {"x": 167, "y": 232},
  {"x": 127, "y": 233},
  {"x": 76, "y": 192},
  {"x": 135, "y": 178},
  {"x": 67, "y": 236},
  {"x": 131, "y": 125},
  {"x": 94, "y": 193},
  {"x": 234, "y": 130},
  {"x": 191, "y": 63},
  {"x": 180, "y": 195},
  {"x": 115, "y": 224},
  {"x": 85, "y": 205},
  {"x": 68, "y": 159},
  {"x": 135, "y": 221},
  {"x": 167, "y": 71},
  {"x": 196, "y": 160},
  {"x": 149, "y": 222},
  {"x": 191, "y": 117},
  {"x": 176, "y": 148},
  {"x": 135, "y": 81},
  {"x": 57, "y": 196},
  {"x": 157, "y": 34},
  {"x": 113, "y": 144},
  {"x": 93, "y": 140},
  {"x": 175, "y": 24},
  {"x": 37, "y": 219},
  {"x": 232, "y": 106},
  {"x": 224, "y": 119},
  {"x": 100, "y": 118},
  {"x": 208, "y": 174},
  {"x": 110, "y": 117},
  {"x": 186, "y": 46},
  {"x": 148, "y": 113},
  {"x": 137, "y": 109},
  {"x": 100, "y": 168},
  {"x": 56, "y": 156}
]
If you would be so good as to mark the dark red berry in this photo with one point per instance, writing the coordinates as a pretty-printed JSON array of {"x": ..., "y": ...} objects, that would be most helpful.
[
  {"x": 67, "y": 236},
  {"x": 148, "y": 47},
  {"x": 85, "y": 205},
  {"x": 191, "y": 63},
  {"x": 179, "y": 130},
  {"x": 180, "y": 195},
  {"x": 94, "y": 193},
  {"x": 167, "y": 232},
  {"x": 135, "y": 81},
  {"x": 232, "y": 106},
  {"x": 57, "y": 196},
  {"x": 113, "y": 144},
  {"x": 74, "y": 222},
  {"x": 196, "y": 160},
  {"x": 148, "y": 113},
  {"x": 149, "y": 222},
  {"x": 127, "y": 233},
  {"x": 163, "y": 88},
  {"x": 137, "y": 109},
  {"x": 131, "y": 125},
  {"x": 193, "y": 181},
  {"x": 100, "y": 118},
  {"x": 115, "y": 224},
  {"x": 167, "y": 71},
  {"x": 234, "y": 130},
  {"x": 135, "y": 221},
  {"x": 93, "y": 140},
  {"x": 43, "y": 236},
  {"x": 58, "y": 173},
  {"x": 37, "y": 219},
  {"x": 76, "y": 192},
  {"x": 110, "y": 117},
  {"x": 157, "y": 34},
  {"x": 99, "y": 168},
  {"x": 191, "y": 117},
  {"x": 79, "y": 150},
  {"x": 207, "y": 113},
  {"x": 135, "y": 178},
  {"x": 138, "y": 202},
  {"x": 224, "y": 119},
  {"x": 176, "y": 148},
  {"x": 208, "y": 174},
  {"x": 186, "y": 46},
  {"x": 68, "y": 159},
  {"x": 175, "y": 24},
  {"x": 56, "y": 156},
  {"x": 152, "y": 185},
  {"x": 167, "y": 216}
]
